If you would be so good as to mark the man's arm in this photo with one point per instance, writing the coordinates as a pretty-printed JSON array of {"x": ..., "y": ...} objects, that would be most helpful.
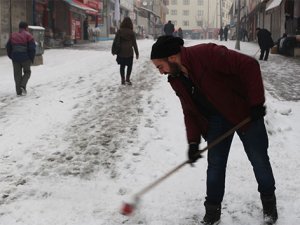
[{"x": 9, "y": 48}]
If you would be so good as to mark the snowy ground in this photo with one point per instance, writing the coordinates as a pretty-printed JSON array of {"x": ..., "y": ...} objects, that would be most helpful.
[{"x": 80, "y": 143}]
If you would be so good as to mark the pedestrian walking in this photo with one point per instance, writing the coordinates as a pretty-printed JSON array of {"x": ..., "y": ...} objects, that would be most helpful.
[
  {"x": 21, "y": 50},
  {"x": 85, "y": 29},
  {"x": 169, "y": 28},
  {"x": 218, "y": 88},
  {"x": 265, "y": 42},
  {"x": 221, "y": 32},
  {"x": 225, "y": 33},
  {"x": 244, "y": 34},
  {"x": 180, "y": 33},
  {"x": 127, "y": 39}
]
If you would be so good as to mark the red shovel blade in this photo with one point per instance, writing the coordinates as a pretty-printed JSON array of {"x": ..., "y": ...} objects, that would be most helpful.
[{"x": 127, "y": 209}]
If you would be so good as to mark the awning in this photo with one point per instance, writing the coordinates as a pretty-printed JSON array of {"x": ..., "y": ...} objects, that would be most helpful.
[
  {"x": 82, "y": 6},
  {"x": 273, "y": 5},
  {"x": 150, "y": 11}
]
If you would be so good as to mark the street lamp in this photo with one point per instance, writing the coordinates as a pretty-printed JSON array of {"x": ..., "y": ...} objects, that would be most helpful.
[
  {"x": 237, "y": 43},
  {"x": 221, "y": 22}
]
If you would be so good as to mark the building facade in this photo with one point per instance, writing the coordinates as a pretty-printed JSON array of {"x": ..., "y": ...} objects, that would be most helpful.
[
  {"x": 199, "y": 18},
  {"x": 278, "y": 16},
  {"x": 71, "y": 21}
]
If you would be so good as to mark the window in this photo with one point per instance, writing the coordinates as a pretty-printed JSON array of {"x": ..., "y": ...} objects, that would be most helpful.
[
  {"x": 200, "y": 2},
  {"x": 200, "y": 13},
  {"x": 174, "y": 2},
  {"x": 173, "y": 12},
  {"x": 185, "y": 23},
  {"x": 200, "y": 23},
  {"x": 186, "y": 2},
  {"x": 185, "y": 12}
]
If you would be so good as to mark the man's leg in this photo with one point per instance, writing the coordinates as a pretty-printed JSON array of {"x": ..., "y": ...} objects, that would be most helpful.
[
  {"x": 27, "y": 73},
  {"x": 262, "y": 52},
  {"x": 18, "y": 76},
  {"x": 255, "y": 141},
  {"x": 217, "y": 161},
  {"x": 267, "y": 54}
]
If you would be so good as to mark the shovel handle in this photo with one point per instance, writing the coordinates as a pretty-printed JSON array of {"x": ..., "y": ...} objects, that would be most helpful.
[{"x": 215, "y": 142}]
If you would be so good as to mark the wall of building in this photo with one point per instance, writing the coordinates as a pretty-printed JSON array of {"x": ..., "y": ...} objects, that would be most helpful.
[
  {"x": 11, "y": 13},
  {"x": 199, "y": 16}
]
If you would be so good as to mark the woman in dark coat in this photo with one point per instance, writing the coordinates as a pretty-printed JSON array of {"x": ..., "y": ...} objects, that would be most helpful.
[{"x": 128, "y": 43}]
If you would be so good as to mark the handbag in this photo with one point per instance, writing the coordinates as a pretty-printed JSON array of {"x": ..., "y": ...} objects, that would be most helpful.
[{"x": 116, "y": 46}]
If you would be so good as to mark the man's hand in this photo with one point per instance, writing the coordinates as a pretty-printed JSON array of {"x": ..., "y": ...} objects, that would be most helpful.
[
  {"x": 193, "y": 152},
  {"x": 257, "y": 112}
]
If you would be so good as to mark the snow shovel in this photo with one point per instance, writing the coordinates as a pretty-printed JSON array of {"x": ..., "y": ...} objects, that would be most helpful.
[
  {"x": 128, "y": 208},
  {"x": 256, "y": 53}
]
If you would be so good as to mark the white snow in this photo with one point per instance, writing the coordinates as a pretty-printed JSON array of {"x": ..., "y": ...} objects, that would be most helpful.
[{"x": 79, "y": 144}]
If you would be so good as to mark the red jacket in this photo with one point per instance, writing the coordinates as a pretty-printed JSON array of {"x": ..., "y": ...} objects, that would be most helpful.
[
  {"x": 231, "y": 81},
  {"x": 21, "y": 46}
]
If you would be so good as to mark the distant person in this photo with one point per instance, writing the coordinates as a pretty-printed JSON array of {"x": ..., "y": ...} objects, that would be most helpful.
[
  {"x": 85, "y": 29},
  {"x": 244, "y": 35},
  {"x": 218, "y": 88},
  {"x": 128, "y": 43},
  {"x": 221, "y": 33},
  {"x": 180, "y": 33},
  {"x": 169, "y": 28},
  {"x": 265, "y": 42},
  {"x": 225, "y": 33},
  {"x": 21, "y": 50},
  {"x": 286, "y": 44}
]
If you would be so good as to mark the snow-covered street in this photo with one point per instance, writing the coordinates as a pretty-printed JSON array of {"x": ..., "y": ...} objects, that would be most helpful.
[{"x": 79, "y": 144}]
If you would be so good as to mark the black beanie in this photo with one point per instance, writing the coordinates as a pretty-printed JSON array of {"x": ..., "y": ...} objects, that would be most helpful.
[
  {"x": 23, "y": 25},
  {"x": 166, "y": 46}
]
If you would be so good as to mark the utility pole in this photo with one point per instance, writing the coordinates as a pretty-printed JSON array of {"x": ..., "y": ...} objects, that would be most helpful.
[
  {"x": 10, "y": 17},
  {"x": 207, "y": 29},
  {"x": 237, "y": 43},
  {"x": 221, "y": 22}
]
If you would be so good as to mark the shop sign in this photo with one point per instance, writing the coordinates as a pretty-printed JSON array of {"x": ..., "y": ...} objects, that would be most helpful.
[
  {"x": 93, "y": 4},
  {"x": 73, "y": 27},
  {"x": 77, "y": 29}
]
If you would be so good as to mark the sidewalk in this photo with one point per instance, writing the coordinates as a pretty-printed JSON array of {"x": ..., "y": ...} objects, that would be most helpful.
[{"x": 283, "y": 86}]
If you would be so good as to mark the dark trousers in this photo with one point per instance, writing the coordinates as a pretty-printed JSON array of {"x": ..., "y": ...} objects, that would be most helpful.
[
  {"x": 22, "y": 74},
  {"x": 123, "y": 63},
  {"x": 264, "y": 54},
  {"x": 255, "y": 142}
]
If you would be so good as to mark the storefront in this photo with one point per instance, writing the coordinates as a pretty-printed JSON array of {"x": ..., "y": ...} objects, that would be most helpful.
[
  {"x": 292, "y": 17},
  {"x": 40, "y": 12},
  {"x": 275, "y": 9},
  {"x": 77, "y": 13}
]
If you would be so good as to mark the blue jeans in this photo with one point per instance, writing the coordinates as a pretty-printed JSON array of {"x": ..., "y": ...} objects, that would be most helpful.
[{"x": 255, "y": 142}]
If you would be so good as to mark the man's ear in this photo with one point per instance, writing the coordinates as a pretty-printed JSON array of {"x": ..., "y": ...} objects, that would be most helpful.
[{"x": 172, "y": 58}]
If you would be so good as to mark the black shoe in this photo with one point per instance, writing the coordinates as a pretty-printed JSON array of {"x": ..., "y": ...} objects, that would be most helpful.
[
  {"x": 23, "y": 91},
  {"x": 212, "y": 214},
  {"x": 269, "y": 208},
  {"x": 128, "y": 83}
]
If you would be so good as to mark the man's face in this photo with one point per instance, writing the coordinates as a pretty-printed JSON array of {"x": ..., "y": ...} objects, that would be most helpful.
[{"x": 166, "y": 67}]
